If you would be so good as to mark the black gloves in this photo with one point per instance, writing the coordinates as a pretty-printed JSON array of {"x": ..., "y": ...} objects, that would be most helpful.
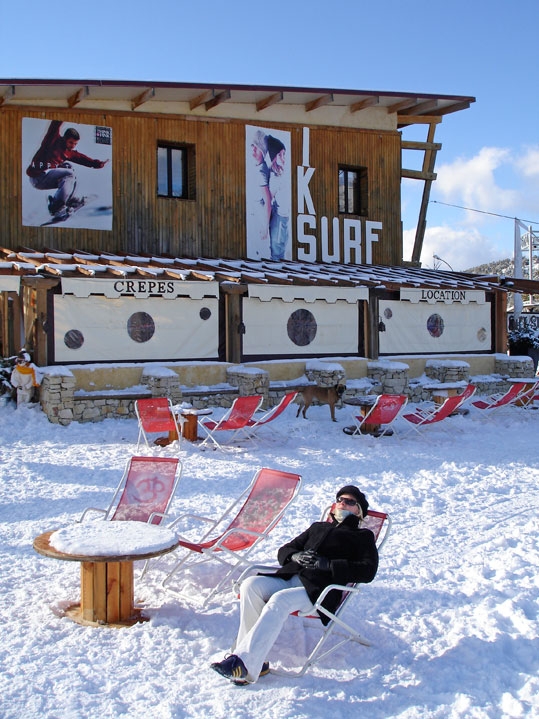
[{"x": 309, "y": 559}]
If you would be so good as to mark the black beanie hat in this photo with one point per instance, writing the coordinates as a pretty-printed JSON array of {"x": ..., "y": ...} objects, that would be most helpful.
[
  {"x": 274, "y": 146},
  {"x": 359, "y": 496}
]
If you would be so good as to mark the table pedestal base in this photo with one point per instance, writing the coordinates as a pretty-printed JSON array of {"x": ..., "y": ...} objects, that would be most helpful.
[
  {"x": 74, "y": 612},
  {"x": 106, "y": 594}
]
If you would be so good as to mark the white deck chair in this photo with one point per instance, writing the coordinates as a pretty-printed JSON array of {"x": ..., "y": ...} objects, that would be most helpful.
[{"x": 380, "y": 524}]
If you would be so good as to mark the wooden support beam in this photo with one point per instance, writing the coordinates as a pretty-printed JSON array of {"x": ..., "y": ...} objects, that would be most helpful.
[
  {"x": 428, "y": 169},
  {"x": 269, "y": 101},
  {"x": 500, "y": 322},
  {"x": 412, "y": 145},
  {"x": 9, "y": 93},
  {"x": 402, "y": 105},
  {"x": 367, "y": 102},
  {"x": 456, "y": 107},
  {"x": 81, "y": 93},
  {"x": 142, "y": 98},
  {"x": 201, "y": 99},
  {"x": 418, "y": 175},
  {"x": 319, "y": 102},
  {"x": 218, "y": 99},
  {"x": 421, "y": 108},
  {"x": 417, "y": 119}
]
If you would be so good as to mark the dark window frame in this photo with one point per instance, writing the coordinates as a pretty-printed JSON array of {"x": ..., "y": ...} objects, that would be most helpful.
[
  {"x": 360, "y": 201},
  {"x": 188, "y": 170}
]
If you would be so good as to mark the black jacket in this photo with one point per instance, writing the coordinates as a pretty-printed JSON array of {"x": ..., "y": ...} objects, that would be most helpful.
[{"x": 352, "y": 552}]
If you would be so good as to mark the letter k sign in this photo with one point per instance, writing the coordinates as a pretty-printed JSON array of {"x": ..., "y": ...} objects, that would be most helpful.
[{"x": 304, "y": 194}]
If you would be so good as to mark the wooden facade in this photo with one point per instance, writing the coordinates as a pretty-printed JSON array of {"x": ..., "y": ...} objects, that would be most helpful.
[{"x": 213, "y": 223}]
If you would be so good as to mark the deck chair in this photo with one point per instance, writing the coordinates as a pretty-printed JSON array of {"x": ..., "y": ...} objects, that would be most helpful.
[
  {"x": 384, "y": 412},
  {"x": 235, "y": 420},
  {"x": 145, "y": 491},
  {"x": 254, "y": 424},
  {"x": 156, "y": 415},
  {"x": 500, "y": 399},
  {"x": 380, "y": 524},
  {"x": 260, "y": 507},
  {"x": 421, "y": 418}
]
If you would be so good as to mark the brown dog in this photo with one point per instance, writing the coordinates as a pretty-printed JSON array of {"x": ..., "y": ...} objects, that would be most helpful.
[{"x": 325, "y": 395}]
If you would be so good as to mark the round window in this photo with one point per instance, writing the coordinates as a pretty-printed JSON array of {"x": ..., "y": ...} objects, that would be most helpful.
[
  {"x": 140, "y": 327},
  {"x": 205, "y": 313},
  {"x": 74, "y": 339},
  {"x": 301, "y": 327},
  {"x": 481, "y": 334},
  {"x": 435, "y": 326}
]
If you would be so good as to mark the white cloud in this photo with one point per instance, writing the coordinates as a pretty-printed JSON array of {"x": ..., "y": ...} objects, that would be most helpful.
[
  {"x": 461, "y": 249},
  {"x": 528, "y": 163},
  {"x": 472, "y": 183}
]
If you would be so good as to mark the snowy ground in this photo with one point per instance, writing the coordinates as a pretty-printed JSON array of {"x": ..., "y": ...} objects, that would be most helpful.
[{"x": 452, "y": 613}]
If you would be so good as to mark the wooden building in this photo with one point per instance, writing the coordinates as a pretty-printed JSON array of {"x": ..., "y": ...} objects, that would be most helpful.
[{"x": 173, "y": 221}]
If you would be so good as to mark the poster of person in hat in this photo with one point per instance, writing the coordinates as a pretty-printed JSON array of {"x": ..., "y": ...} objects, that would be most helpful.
[
  {"x": 62, "y": 184},
  {"x": 268, "y": 192}
]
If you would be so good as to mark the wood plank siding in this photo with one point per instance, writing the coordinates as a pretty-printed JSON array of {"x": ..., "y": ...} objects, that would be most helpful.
[{"x": 213, "y": 223}]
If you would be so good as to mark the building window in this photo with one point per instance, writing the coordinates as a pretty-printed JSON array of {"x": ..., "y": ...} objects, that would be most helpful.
[
  {"x": 176, "y": 171},
  {"x": 353, "y": 190}
]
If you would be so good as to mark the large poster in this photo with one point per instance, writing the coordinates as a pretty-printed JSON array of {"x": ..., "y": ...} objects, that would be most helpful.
[
  {"x": 66, "y": 174},
  {"x": 268, "y": 193}
]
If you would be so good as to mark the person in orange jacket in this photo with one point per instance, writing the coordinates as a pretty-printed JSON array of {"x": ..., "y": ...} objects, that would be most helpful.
[{"x": 25, "y": 377}]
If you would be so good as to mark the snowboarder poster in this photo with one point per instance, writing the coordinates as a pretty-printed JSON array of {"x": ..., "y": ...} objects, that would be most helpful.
[{"x": 66, "y": 174}]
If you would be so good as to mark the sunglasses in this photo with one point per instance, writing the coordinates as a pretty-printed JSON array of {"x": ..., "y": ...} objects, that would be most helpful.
[{"x": 345, "y": 500}]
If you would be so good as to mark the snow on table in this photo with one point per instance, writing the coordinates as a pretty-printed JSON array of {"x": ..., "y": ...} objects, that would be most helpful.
[{"x": 101, "y": 538}]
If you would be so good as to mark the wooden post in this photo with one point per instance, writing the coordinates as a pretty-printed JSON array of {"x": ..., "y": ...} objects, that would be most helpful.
[
  {"x": 233, "y": 324},
  {"x": 500, "y": 322},
  {"x": 373, "y": 339},
  {"x": 428, "y": 167},
  {"x": 38, "y": 324}
]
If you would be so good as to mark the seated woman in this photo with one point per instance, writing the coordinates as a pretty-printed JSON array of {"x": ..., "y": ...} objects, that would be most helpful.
[{"x": 335, "y": 552}]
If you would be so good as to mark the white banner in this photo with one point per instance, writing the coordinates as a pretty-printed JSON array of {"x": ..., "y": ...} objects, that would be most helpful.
[
  {"x": 297, "y": 328},
  {"x": 289, "y": 293},
  {"x": 432, "y": 296},
  {"x": 138, "y": 287},
  {"x": 98, "y": 329},
  {"x": 423, "y": 328},
  {"x": 268, "y": 193},
  {"x": 10, "y": 283}
]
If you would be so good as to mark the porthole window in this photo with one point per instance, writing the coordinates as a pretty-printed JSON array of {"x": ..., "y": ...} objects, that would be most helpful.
[
  {"x": 140, "y": 327},
  {"x": 205, "y": 313},
  {"x": 301, "y": 327},
  {"x": 435, "y": 325},
  {"x": 481, "y": 334},
  {"x": 73, "y": 339},
  {"x": 388, "y": 314}
]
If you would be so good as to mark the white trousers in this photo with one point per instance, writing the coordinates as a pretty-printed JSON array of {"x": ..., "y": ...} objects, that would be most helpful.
[{"x": 265, "y": 603}]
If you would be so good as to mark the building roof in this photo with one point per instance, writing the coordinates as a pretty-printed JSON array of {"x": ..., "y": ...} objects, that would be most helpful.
[
  {"x": 78, "y": 263},
  {"x": 147, "y": 95}
]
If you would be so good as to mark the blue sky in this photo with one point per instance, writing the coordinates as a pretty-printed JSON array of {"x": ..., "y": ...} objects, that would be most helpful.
[{"x": 490, "y": 154}]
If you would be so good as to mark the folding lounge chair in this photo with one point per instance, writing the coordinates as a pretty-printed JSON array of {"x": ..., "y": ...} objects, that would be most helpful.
[
  {"x": 272, "y": 414},
  {"x": 422, "y": 418},
  {"x": 501, "y": 399},
  {"x": 235, "y": 420},
  {"x": 380, "y": 524},
  {"x": 156, "y": 415},
  {"x": 261, "y": 506},
  {"x": 145, "y": 491},
  {"x": 384, "y": 412}
]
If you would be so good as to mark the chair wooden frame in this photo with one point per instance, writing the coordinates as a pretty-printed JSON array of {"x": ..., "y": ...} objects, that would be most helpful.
[
  {"x": 235, "y": 420},
  {"x": 233, "y": 540},
  {"x": 139, "y": 497},
  {"x": 381, "y": 525},
  {"x": 156, "y": 415}
]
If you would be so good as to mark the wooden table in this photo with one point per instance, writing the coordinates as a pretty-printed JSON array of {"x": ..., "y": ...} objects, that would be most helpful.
[
  {"x": 107, "y": 585},
  {"x": 365, "y": 404},
  {"x": 190, "y": 424},
  {"x": 442, "y": 390}
]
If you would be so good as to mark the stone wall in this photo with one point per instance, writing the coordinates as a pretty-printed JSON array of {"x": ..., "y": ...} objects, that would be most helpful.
[{"x": 62, "y": 403}]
